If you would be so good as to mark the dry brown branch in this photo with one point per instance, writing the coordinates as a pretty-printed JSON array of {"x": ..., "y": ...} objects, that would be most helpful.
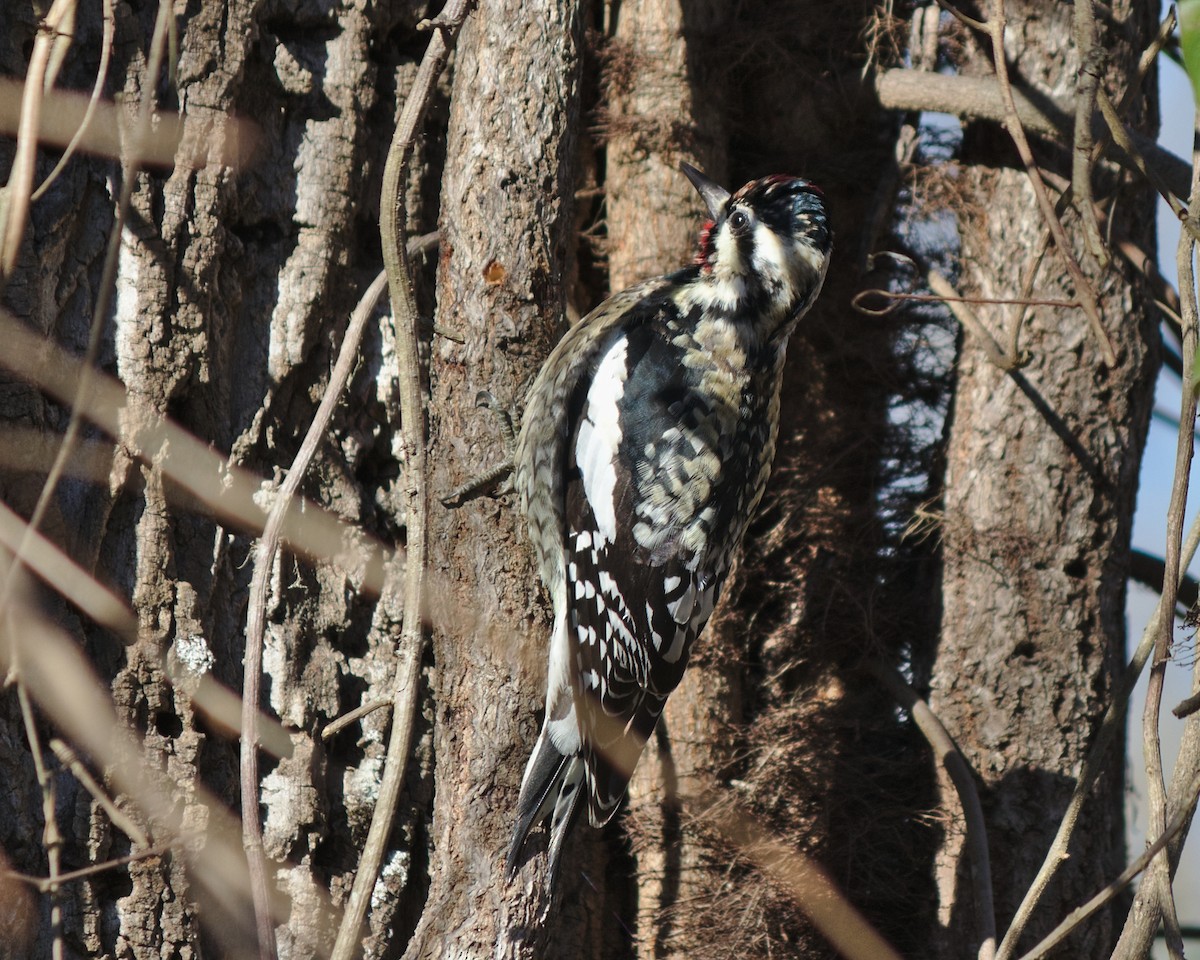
[
  {"x": 966, "y": 316},
  {"x": 71, "y": 581},
  {"x": 52, "y": 840},
  {"x": 859, "y": 300},
  {"x": 1185, "y": 448},
  {"x": 68, "y": 758},
  {"x": 1122, "y": 139},
  {"x": 20, "y": 181},
  {"x": 337, "y": 726},
  {"x": 63, "y": 113},
  {"x": 43, "y": 884},
  {"x": 1187, "y": 706},
  {"x": 1091, "y": 59},
  {"x": 1014, "y": 339},
  {"x": 963, "y": 777},
  {"x": 969, "y": 22},
  {"x": 110, "y": 29},
  {"x": 222, "y": 709},
  {"x": 979, "y": 98},
  {"x": 264, "y": 561}
]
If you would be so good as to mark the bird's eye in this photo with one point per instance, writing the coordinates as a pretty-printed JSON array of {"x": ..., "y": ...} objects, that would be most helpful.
[{"x": 739, "y": 220}]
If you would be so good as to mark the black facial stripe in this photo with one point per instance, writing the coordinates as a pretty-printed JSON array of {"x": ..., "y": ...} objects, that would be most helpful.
[{"x": 745, "y": 248}]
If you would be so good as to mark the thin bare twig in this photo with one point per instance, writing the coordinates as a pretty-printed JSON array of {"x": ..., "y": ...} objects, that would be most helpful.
[
  {"x": 337, "y": 726},
  {"x": 961, "y": 774},
  {"x": 106, "y": 43},
  {"x": 1110, "y": 892},
  {"x": 67, "y": 757},
  {"x": 966, "y": 316},
  {"x": 20, "y": 181},
  {"x": 1187, "y": 706},
  {"x": 1148, "y": 58},
  {"x": 74, "y": 583},
  {"x": 1014, "y": 338},
  {"x": 1165, "y": 295},
  {"x": 44, "y": 884},
  {"x": 264, "y": 561},
  {"x": 1012, "y": 121},
  {"x": 1122, "y": 139},
  {"x": 51, "y": 837},
  {"x": 857, "y": 301},
  {"x": 961, "y": 17},
  {"x": 1091, "y": 59},
  {"x": 489, "y": 478},
  {"x": 1176, "y": 508},
  {"x": 1111, "y": 727},
  {"x": 392, "y": 225}
]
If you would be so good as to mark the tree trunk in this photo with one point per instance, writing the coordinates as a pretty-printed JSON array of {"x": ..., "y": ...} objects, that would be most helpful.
[
  {"x": 233, "y": 287},
  {"x": 1041, "y": 471},
  {"x": 507, "y": 221}
]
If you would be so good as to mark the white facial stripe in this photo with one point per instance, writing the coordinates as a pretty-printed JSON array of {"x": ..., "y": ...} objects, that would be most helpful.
[
  {"x": 769, "y": 256},
  {"x": 773, "y": 262},
  {"x": 599, "y": 436},
  {"x": 728, "y": 255}
]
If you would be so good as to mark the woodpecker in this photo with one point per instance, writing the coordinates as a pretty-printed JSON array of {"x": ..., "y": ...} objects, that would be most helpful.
[{"x": 645, "y": 446}]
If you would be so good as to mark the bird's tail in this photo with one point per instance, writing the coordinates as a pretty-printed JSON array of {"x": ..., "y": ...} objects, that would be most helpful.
[{"x": 552, "y": 782}]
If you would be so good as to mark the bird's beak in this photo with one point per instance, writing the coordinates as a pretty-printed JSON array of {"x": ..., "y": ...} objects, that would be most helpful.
[{"x": 713, "y": 194}]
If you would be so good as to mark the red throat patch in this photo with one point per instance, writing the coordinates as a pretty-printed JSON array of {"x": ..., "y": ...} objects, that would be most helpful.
[{"x": 706, "y": 242}]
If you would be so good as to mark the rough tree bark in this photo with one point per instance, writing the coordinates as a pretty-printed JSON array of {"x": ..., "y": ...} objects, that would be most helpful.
[
  {"x": 232, "y": 289},
  {"x": 508, "y": 225},
  {"x": 1041, "y": 472}
]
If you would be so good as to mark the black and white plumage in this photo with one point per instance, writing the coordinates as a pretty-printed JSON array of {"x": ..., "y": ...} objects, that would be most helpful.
[{"x": 646, "y": 444}]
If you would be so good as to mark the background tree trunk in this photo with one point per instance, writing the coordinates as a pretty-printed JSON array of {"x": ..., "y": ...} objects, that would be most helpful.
[
  {"x": 232, "y": 292},
  {"x": 764, "y": 723},
  {"x": 1041, "y": 470},
  {"x": 662, "y": 106}
]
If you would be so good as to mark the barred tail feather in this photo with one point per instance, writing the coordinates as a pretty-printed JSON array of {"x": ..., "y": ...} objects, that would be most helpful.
[
  {"x": 566, "y": 811},
  {"x": 552, "y": 782}
]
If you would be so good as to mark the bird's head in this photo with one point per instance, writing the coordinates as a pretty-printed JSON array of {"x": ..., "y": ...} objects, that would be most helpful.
[{"x": 765, "y": 247}]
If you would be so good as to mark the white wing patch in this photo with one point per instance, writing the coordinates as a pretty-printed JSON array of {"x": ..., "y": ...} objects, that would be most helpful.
[{"x": 598, "y": 439}]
